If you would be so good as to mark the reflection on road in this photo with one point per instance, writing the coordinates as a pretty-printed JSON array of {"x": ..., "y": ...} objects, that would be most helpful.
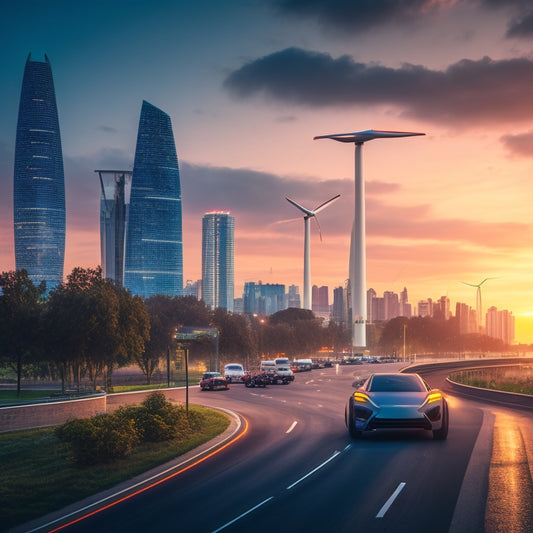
[{"x": 510, "y": 498}]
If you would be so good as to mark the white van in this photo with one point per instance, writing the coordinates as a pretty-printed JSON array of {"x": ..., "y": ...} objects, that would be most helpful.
[
  {"x": 268, "y": 366},
  {"x": 283, "y": 368},
  {"x": 233, "y": 372}
]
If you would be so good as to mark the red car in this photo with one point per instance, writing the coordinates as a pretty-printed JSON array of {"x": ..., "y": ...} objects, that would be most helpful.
[{"x": 213, "y": 381}]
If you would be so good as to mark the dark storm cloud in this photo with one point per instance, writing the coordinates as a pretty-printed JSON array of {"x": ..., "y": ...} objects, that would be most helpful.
[
  {"x": 468, "y": 91},
  {"x": 520, "y": 144},
  {"x": 521, "y": 26},
  {"x": 360, "y": 15}
]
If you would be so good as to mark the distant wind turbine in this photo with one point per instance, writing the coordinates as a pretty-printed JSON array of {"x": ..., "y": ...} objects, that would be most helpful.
[
  {"x": 479, "y": 307},
  {"x": 308, "y": 214}
]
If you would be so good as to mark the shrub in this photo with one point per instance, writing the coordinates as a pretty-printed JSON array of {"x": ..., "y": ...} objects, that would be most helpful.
[{"x": 99, "y": 439}]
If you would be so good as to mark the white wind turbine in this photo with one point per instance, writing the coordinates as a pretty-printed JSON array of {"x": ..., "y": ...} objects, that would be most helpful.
[
  {"x": 479, "y": 307},
  {"x": 307, "y": 251}
]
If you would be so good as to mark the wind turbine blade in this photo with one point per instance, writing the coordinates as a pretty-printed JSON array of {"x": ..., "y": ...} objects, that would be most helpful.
[
  {"x": 319, "y": 228},
  {"x": 301, "y": 208},
  {"x": 286, "y": 221},
  {"x": 323, "y": 205}
]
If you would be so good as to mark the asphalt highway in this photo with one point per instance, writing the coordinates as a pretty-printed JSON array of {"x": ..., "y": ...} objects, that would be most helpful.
[{"x": 296, "y": 469}]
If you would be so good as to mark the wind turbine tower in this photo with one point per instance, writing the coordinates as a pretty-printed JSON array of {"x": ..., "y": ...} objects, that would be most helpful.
[
  {"x": 358, "y": 242},
  {"x": 479, "y": 306},
  {"x": 308, "y": 215}
]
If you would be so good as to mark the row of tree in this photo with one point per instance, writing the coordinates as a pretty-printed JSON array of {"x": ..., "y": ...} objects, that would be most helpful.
[{"x": 88, "y": 326}]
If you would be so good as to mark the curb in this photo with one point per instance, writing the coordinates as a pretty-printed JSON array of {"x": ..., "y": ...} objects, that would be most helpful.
[{"x": 56, "y": 520}]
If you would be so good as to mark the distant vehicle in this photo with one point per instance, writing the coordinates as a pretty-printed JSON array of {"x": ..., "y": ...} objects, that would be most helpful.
[
  {"x": 300, "y": 365},
  {"x": 283, "y": 368},
  {"x": 397, "y": 401},
  {"x": 213, "y": 381},
  {"x": 268, "y": 366},
  {"x": 262, "y": 379},
  {"x": 233, "y": 372}
]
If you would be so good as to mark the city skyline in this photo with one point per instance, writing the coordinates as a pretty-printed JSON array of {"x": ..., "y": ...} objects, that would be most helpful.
[{"x": 258, "y": 81}]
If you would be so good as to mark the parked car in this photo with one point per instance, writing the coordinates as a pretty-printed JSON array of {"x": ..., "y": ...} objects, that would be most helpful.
[
  {"x": 213, "y": 381},
  {"x": 233, "y": 372},
  {"x": 256, "y": 380}
]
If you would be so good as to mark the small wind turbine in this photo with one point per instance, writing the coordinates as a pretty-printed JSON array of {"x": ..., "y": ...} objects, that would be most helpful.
[
  {"x": 479, "y": 307},
  {"x": 307, "y": 251}
]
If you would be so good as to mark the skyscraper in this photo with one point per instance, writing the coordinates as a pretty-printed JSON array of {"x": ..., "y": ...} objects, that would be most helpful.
[
  {"x": 114, "y": 204},
  {"x": 218, "y": 251},
  {"x": 39, "y": 182},
  {"x": 154, "y": 247}
]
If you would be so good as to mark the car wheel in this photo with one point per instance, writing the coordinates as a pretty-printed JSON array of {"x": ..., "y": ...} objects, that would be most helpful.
[
  {"x": 442, "y": 433},
  {"x": 354, "y": 433}
]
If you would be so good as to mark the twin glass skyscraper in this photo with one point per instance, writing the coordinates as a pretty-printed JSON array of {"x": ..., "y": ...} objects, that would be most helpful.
[
  {"x": 39, "y": 182},
  {"x": 218, "y": 252},
  {"x": 154, "y": 246}
]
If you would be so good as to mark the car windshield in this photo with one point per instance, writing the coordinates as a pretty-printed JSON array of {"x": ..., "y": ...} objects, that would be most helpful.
[
  {"x": 233, "y": 367},
  {"x": 396, "y": 383}
]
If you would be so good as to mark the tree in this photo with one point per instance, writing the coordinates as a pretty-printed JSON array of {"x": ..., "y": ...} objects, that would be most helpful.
[
  {"x": 93, "y": 324},
  {"x": 20, "y": 310},
  {"x": 235, "y": 338}
]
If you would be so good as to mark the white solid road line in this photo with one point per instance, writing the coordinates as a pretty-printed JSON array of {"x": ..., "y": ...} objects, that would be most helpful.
[
  {"x": 314, "y": 470},
  {"x": 390, "y": 501},
  {"x": 293, "y": 425},
  {"x": 243, "y": 514}
]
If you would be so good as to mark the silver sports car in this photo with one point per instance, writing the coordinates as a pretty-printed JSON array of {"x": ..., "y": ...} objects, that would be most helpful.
[{"x": 397, "y": 401}]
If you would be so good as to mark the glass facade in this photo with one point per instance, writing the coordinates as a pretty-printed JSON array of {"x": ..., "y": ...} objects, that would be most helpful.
[
  {"x": 39, "y": 183},
  {"x": 154, "y": 247},
  {"x": 114, "y": 205},
  {"x": 218, "y": 252}
]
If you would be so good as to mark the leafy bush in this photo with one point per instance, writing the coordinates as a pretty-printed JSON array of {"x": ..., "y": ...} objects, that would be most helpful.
[
  {"x": 99, "y": 439},
  {"x": 104, "y": 438}
]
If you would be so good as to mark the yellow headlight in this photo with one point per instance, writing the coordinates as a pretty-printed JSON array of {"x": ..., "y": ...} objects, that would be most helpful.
[
  {"x": 360, "y": 397},
  {"x": 434, "y": 397}
]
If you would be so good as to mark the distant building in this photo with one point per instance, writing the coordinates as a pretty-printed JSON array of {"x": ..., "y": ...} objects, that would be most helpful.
[
  {"x": 154, "y": 246},
  {"x": 441, "y": 308},
  {"x": 263, "y": 299},
  {"x": 193, "y": 288},
  {"x": 39, "y": 182},
  {"x": 293, "y": 299},
  {"x": 405, "y": 306},
  {"x": 339, "y": 308},
  {"x": 115, "y": 191},
  {"x": 466, "y": 318},
  {"x": 320, "y": 299},
  {"x": 425, "y": 308},
  {"x": 218, "y": 252},
  {"x": 500, "y": 325}
]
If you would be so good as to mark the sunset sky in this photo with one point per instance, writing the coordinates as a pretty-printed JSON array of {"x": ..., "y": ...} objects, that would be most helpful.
[{"x": 248, "y": 84}]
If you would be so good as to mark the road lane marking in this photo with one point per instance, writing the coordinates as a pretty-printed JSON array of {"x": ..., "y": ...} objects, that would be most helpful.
[
  {"x": 293, "y": 425},
  {"x": 243, "y": 514},
  {"x": 390, "y": 501},
  {"x": 314, "y": 470}
]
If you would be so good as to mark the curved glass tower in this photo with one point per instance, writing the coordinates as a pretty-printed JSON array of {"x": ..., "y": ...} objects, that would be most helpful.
[
  {"x": 39, "y": 183},
  {"x": 154, "y": 247}
]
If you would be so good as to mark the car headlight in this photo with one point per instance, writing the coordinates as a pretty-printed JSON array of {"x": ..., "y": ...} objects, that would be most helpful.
[{"x": 362, "y": 398}]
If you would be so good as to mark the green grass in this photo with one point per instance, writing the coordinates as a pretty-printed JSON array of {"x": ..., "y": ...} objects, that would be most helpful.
[
  {"x": 506, "y": 385},
  {"x": 10, "y": 395},
  {"x": 38, "y": 475}
]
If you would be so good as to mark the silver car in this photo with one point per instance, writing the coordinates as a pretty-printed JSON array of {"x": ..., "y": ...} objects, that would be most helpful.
[{"x": 397, "y": 401}]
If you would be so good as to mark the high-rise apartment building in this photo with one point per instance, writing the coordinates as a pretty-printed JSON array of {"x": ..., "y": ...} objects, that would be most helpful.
[
  {"x": 115, "y": 194},
  {"x": 320, "y": 298},
  {"x": 154, "y": 246},
  {"x": 263, "y": 299},
  {"x": 293, "y": 297},
  {"x": 500, "y": 324},
  {"x": 39, "y": 183},
  {"x": 218, "y": 256}
]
